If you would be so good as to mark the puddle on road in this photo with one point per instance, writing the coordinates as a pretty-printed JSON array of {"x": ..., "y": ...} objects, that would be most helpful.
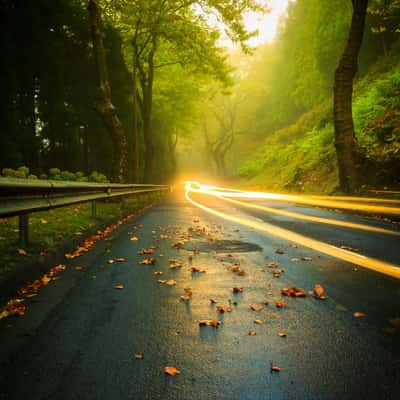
[{"x": 221, "y": 246}]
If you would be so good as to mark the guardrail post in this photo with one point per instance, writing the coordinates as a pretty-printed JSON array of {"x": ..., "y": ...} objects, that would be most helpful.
[
  {"x": 94, "y": 209},
  {"x": 23, "y": 230}
]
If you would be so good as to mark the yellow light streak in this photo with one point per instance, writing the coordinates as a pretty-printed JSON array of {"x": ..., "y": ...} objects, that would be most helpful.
[
  {"x": 311, "y": 218},
  {"x": 316, "y": 202},
  {"x": 374, "y": 264}
]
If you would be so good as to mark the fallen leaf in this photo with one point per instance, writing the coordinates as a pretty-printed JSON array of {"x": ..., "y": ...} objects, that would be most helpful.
[
  {"x": 187, "y": 296},
  {"x": 294, "y": 292},
  {"x": 120, "y": 259},
  {"x": 251, "y": 332},
  {"x": 78, "y": 268},
  {"x": 134, "y": 239},
  {"x": 234, "y": 268},
  {"x": 306, "y": 258},
  {"x": 43, "y": 221},
  {"x": 119, "y": 286},
  {"x": 212, "y": 301},
  {"x": 147, "y": 251},
  {"x": 282, "y": 334},
  {"x": 359, "y": 314},
  {"x": 237, "y": 290},
  {"x": 275, "y": 368},
  {"x": 319, "y": 292},
  {"x": 45, "y": 280},
  {"x": 256, "y": 307},
  {"x": 148, "y": 261},
  {"x": 13, "y": 307},
  {"x": 197, "y": 270},
  {"x": 272, "y": 265},
  {"x": 258, "y": 321},
  {"x": 138, "y": 356},
  {"x": 241, "y": 273},
  {"x": 295, "y": 259},
  {"x": 279, "y": 251},
  {"x": 209, "y": 322},
  {"x": 223, "y": 309},
  {"x": 22, "y": 252},
  {"x": 176, "y": 265},
  {"x": 172, "y": 371},
  {"x": 111, "y": 261},
  {"x": 158, "y": 273},
  {"x": 280, "y": 304}
]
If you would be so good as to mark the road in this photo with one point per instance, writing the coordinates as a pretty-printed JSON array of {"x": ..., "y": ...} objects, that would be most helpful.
[{"x": 79, "y": 335}]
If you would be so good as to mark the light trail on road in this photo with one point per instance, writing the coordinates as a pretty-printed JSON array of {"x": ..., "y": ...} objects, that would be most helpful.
[
  {"x": 310, "y": 218},
  {"x": 374, "y": 264},
  {"x": 340, "y": 202}
]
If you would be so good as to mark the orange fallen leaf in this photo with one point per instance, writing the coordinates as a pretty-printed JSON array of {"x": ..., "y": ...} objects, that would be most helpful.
[
  {"x": 272, "y": 265},
  {"x": 78, "y": 268},
  {"x": 256, "y": 307},
  {"x": 294, "y": 292},
  {"x": 119, "y": 286},
  {"x": 282, "y": 334},
  {"x": 258, "y": 321},
  {"x": 279, "y": 251},
  {"x": 212, "y": 301},
  {"x": 186, "y": 296},
  {"x": 148, "y": 261},
  {"x": 147, "y": 251},
  {"x": 319, "y": 292},
  {"x": 251, "y": 332},
  {"x": 172, "y": 371},
  {"x": 134, "y": 239},
  {"x": 158, "y": 273},
  {"x": 22, "y": 252},
  {"x": 13, "y": 307},
  {"x": 223, "y": 309},
  {"x": 45, "y": 280},
  {"x": 237, "y": 290},
  {"x": 280, "y": 304},
  {"x": 359, "y": 314},
  {"x": 209, "y": 322},
  {"x": 275, "y": 368},
  {"x": 197, "y": 270}
]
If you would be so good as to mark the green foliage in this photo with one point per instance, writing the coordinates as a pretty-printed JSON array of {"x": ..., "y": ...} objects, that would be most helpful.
[{"x": 55, "y": 174}]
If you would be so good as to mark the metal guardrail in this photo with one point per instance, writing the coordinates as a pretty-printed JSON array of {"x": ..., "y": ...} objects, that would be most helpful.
[{"x": 20, "y": 197}]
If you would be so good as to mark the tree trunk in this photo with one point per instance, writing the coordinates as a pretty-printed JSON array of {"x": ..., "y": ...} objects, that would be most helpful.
[
  {"x": 343, "y": 94},
  {"x": 136, "y": 175},
  {"x": 104, "y": 106},
  {"x": 147, "y": 89}
]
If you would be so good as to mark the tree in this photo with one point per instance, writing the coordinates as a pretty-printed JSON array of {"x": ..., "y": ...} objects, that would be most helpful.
[
  {"x": 343, "y": 94},
  {"x": 151, "y": 26},
  {"x": 104, "y": 105}
]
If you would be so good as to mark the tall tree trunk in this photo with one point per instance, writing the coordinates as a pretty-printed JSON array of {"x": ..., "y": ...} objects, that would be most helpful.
[
  {"x": 343, "y": 95},
  {"x": 136, "y": 176},
  {"x": 147, "y": 89},
  {"x": 104, "y": 106}
]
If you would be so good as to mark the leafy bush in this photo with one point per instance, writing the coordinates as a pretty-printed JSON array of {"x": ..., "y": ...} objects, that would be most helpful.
[{"x": 55, "y": 174}]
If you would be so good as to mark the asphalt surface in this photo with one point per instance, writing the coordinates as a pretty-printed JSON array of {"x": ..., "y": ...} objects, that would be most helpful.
[{"x": 79, "y": 335}]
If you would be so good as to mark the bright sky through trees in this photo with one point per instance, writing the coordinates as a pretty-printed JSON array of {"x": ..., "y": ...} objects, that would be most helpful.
[{"x": 266, "y": 24}]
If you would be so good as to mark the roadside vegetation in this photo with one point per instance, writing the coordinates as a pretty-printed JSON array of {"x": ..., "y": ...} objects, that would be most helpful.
[{"x": 50, "y": 231}]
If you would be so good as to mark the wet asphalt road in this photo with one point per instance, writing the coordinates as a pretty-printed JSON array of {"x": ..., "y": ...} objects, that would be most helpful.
[{"x": 79, "y": 335}]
